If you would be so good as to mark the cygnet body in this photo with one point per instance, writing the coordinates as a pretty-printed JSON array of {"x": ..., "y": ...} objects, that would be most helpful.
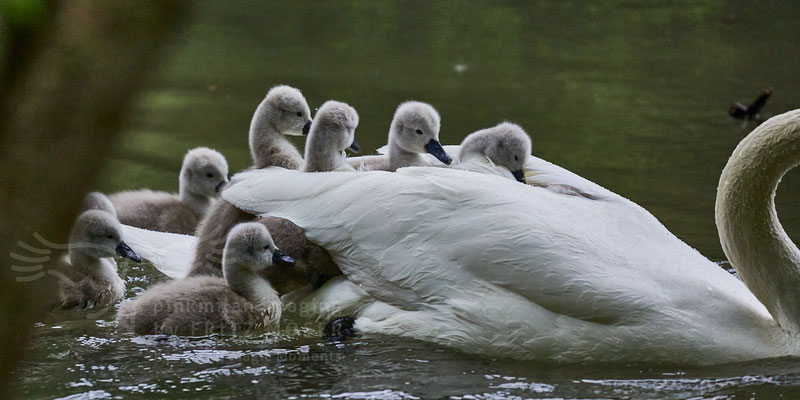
[
  {"x": 414, "y": 131},
  {"x": 88, "y": 273},
  {"x": 202, "y": 176},
  {"x": 506, "y": 145},
  {"x": 200, "y": 305},
  {"x": 332, "y": 131},
  {"x": 284, "y": 111}
]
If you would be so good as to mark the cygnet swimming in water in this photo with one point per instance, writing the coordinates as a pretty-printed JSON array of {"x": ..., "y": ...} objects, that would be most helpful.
[
  {"x": 332, "y": 131},
  {"x": 202, "y": 176},
  {"x": 414, "y": 131},
  {"x": 506, "y": 145},
  {"x": 284, "y": 111},
  {"x": 200, "y": 305},
  {"x": 88, "y": 273}
]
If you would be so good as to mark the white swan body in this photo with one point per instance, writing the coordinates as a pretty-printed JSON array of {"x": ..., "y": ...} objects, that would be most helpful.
[{"x": 491, "y": 266}]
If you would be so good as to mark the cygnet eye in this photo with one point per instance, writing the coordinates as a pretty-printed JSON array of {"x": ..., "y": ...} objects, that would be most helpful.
[
  {"x": 110, "y": 236},
  {"x": 516, "y": 158},
  {"x": 299, "y": 114},
  {"x": 419, "y": 131},
  {"x": 210, "y": 175},
  {"x": 266, "y": 247}
]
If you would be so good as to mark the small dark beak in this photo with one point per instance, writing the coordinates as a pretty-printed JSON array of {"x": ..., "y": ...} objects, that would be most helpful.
[
  {"x": 354, "y": 146},
  {"x": 307, "y": 127},
  {"x": 436, "y": 149},
  {"x": 125, "y": 251},
  {"x": 519, "y": 175},
  {"x": 221, "y": 186},
  {"x": 279, "y": 258}
]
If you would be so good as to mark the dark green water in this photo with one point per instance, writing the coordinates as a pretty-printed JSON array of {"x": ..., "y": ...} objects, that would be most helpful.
[{"x": 632, "y": 95}]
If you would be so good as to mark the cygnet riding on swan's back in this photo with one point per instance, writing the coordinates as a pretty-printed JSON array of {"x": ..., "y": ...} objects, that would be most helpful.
[
  {"x": 505, "y": 145},
  {"x": 414, "y": 131},
  {"x": 332, "y": 131},
  {"x": 283, "y": 108},
  {"x": 88, "y": 273},
  {"x": 201, "y": 305},
  {"x": 202, "y": 176},
  {"x": 491, "y": 266},
  {"x": 284, "y": 111}
]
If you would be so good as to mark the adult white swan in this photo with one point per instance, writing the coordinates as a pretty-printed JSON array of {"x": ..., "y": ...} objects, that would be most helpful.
[{"x": 492, "y": 266}]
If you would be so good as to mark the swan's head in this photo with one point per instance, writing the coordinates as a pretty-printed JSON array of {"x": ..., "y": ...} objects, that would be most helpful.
[
  {"x": 98, "y": 201},
  {"x": 250, "y": 246},
  {"x": 334, "y": 126},
  {"x": 415, "y": 129},
  {"x": 99, "y": 234},
  {"x": 506, "y": 145},
  {"x": 287, "y": 110},
  {"x": 204, "y": 172}
]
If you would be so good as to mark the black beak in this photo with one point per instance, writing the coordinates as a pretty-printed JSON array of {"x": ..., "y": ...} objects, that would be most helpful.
[
  {"x": 279, "y": 258},
  {"x": 221, "y": 185},
  {"x": 354, "y": 146},
  {"x": 307, "y": 127},
  {"x": 125, "y": 251},
  {"x": 519, "y": 175},
  {"x": 435, "y": 148}
]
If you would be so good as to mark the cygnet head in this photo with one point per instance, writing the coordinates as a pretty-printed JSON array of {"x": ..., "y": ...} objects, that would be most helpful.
[
  {"x": 506, "y": 145},
  {"x": 98, "y": 201},
  {"x": 333, "y": 131},
  {"x": 415, "y": 129},
  {"x": 249, "y": 246},
  {"x": 204, "y": 172},
  {"x": 98, "y": 234},
  {"x": 286, "y": 110}
]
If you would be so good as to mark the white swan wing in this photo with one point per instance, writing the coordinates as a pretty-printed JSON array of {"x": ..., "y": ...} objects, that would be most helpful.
[
  {"x": 391, "y": 234},
  {"x": 171, "y": 253},
  {"x": 538, "y": 172}
]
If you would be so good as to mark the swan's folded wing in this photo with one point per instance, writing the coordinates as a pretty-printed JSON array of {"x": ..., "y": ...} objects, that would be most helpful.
[
  {"x": 429, "y": 235},
  {"x": 541, "y": 173},
  {"x": 171, "y": 253}
]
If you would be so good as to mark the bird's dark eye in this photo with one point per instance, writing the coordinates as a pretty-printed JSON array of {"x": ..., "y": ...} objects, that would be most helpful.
[
  {"x": 516, "y": 158},
  {"x": 299, "y": 114},
  {"x": 266, "y": 247},
  {"x": 419, "y": 131},
  {"x": 210, "y": 175},
  {"x": 110, "y": 236}
]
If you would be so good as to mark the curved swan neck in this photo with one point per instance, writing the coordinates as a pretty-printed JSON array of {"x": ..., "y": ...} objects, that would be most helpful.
[
  {"x": 750, "y": 233},
  {"x": 268, "y": 146}
]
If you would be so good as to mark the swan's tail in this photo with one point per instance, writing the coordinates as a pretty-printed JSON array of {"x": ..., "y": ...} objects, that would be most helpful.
[{"x": 171, "y": 253}]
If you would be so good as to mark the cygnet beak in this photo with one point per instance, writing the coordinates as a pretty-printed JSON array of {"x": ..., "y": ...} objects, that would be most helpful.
[
  {"x": 125, "y": 251},
  {"x": 519, "y": 175},
  {"x": 354, "y": 146},
  {"x": 221, "y": 186},
  {"x": 279, "y": 258},
  {"x": 306, "y": 128},
  {"x": 435, "y": 148}
]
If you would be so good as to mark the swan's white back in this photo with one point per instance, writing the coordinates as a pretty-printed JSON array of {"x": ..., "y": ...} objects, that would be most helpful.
[{"x": 494, "y": 266}]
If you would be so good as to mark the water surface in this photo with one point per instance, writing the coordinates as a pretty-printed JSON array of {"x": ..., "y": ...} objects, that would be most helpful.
[{"x": 632, "y": 95}]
